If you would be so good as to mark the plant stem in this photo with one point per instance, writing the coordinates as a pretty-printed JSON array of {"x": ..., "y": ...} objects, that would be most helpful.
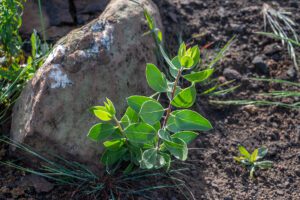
[
  {"x": 119, "y": 125},
  {"x": 169, "y": 109}
]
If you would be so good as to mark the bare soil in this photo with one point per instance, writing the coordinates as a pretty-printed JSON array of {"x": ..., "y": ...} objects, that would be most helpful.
[{"x": 212, "y": 172}]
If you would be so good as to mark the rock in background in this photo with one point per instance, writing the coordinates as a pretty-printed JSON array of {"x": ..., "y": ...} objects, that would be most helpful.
[
  {"x": 105, "y": 58},
  {"x": 60, "y": 16}
]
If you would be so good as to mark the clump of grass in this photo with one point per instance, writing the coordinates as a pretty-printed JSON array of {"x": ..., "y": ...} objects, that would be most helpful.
[
  {"x": 15, "y": 68},
  {"x": 112, "y": 185},
  {"x": 10, "y": 22},
  {"x": 274, "y": 94},
  {"x": 15, "y": 73},
  {"x": 283, "y": 27}
]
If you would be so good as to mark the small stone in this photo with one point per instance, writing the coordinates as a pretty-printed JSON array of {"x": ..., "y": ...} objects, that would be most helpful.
[
  {"x": 260, "y": 65},
  {"x": 271, "y": 49},
  {"x": 237, "y": 28},
  {"x": 39, "y": 183},
  {"x": 173, "y": 17},
  {"x": 252, "y": 109},
  {"x": 279, "y": 192},
  {"x": 16, "y": 192},
  {"x": 291, "y": 72},
  {"x": 221, "y": 79},
  {"x": 297, "y": 172},
  {"x": 232, "y": 74}
]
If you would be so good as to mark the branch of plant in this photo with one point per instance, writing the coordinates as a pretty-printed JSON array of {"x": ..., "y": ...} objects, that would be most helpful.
[
  {"x": 172, "y": 96},
  {"x": 118, "y": 124},
  {"x": 169, "y": 109}
]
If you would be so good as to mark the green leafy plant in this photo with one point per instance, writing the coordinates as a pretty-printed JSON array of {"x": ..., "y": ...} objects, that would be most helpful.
[
  {"x": 14, "y": 74},
  {"x": 211, "y": 88},
  {"x": 148, "y": 134},
  {"x": 251, "y": 161},
  {"x": 10, "y": 22}
]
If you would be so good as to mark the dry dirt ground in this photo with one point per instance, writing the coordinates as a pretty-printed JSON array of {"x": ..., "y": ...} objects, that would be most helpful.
[{"x": 212, "y": 172}]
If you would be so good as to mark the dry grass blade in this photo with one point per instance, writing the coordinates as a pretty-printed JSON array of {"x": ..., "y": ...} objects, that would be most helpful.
[{"x": 283, "y": 27}]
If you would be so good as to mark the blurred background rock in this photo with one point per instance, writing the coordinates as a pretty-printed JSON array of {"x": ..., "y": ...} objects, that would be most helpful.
[{"x": 59, "y": 16}]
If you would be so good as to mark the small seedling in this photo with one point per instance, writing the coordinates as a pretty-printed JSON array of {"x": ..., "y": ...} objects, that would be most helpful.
[{"x": 251, "y": 161}]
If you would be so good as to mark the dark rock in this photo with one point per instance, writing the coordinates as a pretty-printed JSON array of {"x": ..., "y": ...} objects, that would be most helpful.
[
  {"x": 59, "y": 12},
  {"x": 31, "y": 19},
  {"x": 232, "y": 74},
  {"x": 260, "y": 64},
  {"x": 87, "y": 7},
  {"x": 297, "y": 172}
]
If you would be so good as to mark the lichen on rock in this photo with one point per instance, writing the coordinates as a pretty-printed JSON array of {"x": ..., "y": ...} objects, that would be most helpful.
[{"x": 59, "y": 78}]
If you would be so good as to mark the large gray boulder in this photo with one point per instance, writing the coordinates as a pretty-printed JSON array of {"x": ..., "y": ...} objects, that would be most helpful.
[{"x": 105, "y": 58}]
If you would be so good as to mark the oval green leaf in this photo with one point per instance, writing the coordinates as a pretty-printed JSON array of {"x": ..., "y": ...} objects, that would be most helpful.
[
  {"x": 244, "y": 151},
  {"x": 177, "y": 65},
  {"x": 186, "y": 136},
  {"x": 136, "y": 102},
  {"x": 155, "y": 78},
  {"x": 254, "y": 155},
  {"x": 186, "y": 62},
  {"x": 181, "y": 50},
  {"x": 140, "y": 133},
  {"x": 177, "y": 148},
  {"x": 151, "y": 112},
  {"x": 186, "y": 120},
  {"x": 111, "y": 157},
  {"x": 101, "y": 112},
  {"x": 164, "y": 135},
  {"x": 151, "y": 159},
  {"x": 115, "y": 144},
  {"x": 101, "y": 131},
  {"x": 186, "y": 98},
  {"x": 129, "y": 117},
  {"x": 199, "y": 76},
  {"x": 195, "y": 54},
  {"x": 171, "y": 126}
]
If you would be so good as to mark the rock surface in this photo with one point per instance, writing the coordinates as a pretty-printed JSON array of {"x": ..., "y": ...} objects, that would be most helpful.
[{"x": 105, "y": 58}]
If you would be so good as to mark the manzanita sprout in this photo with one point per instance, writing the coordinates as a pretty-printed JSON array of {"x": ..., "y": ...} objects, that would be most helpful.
[
  {"x": 148, "y": 134},
  {"x": 251, "y": 161}
]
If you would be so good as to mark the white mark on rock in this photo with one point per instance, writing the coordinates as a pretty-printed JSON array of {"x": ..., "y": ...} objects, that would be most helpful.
[
  {"x": 98, "y": 26},
  {"x": 59, "y": 78},
  {"x": 59, "y": 50},
  {"x": 103, "y": 34},
  {"x": 107, "y": 36}
]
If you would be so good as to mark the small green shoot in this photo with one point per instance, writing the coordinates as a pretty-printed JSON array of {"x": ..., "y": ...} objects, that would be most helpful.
[{"x": 252, "y": 161}]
